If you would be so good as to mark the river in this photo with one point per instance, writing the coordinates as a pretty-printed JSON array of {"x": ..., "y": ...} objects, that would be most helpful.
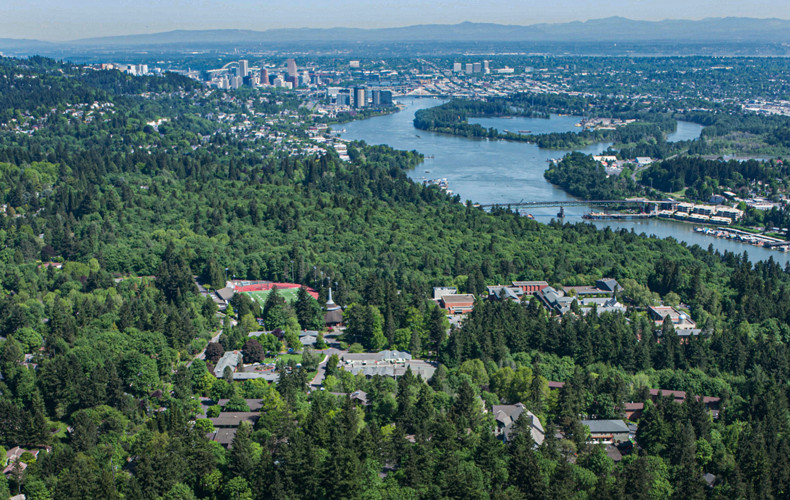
[{"x": 504, "y": 172}]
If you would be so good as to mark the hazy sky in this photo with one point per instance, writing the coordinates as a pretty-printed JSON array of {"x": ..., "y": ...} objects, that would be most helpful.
[{"x": 72, "y": 19}]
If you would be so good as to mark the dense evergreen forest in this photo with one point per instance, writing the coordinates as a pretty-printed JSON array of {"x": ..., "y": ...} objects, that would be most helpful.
[
  {"x": 98, "y": 357},
  {"x": 580, "y": 175}
]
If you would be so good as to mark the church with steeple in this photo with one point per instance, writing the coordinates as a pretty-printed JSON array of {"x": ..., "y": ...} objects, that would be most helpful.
[{"x": 334, "y": 314}]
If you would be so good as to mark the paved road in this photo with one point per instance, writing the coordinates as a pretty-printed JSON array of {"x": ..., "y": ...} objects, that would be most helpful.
[
  {"x": 202, "y": 354},
  {"x": 318, "y": 379}
]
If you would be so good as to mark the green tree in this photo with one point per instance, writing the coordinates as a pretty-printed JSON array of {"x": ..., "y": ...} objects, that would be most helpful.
[{"x": 213, "y": 274}]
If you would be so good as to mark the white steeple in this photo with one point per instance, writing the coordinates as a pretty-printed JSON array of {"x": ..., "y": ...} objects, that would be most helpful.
[{"x": 330, "y": 305}]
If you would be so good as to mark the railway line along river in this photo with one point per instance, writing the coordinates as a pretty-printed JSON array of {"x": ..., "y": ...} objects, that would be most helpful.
[{"x": 485, "y": 171}]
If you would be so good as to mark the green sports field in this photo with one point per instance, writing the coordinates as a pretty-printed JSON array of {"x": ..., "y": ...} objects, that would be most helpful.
[{"x": 289, "y": 294}]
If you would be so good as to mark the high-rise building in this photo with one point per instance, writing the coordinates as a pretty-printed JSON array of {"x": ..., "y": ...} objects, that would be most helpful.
[
  {"x": 236, "y": 82},
  {"x": 381, "y": 98},
  {"x": 469, "y": 68},
  {"x": 359, "y": 97},
  {"x": 477, "y": 67},
  {"x": 343, "y": 98},
  {"x": 457, "y": 68},
  {"x": 265, "y": 77},
  {"x": 292, "y": 70},
  {"x": 486, "y": 69},
  {"x": 243, "y": 69}
]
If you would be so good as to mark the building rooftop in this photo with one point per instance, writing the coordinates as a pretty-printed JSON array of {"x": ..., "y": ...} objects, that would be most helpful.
[
  {"x": 460, "y": 298},
  {"x": 230, "y": 359},
  {"x": 235, "y": 418},
  {"x": 606, "y": 426}
]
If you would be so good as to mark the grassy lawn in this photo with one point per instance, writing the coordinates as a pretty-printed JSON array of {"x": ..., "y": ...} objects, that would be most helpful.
[{"x": 284, "y": 357}]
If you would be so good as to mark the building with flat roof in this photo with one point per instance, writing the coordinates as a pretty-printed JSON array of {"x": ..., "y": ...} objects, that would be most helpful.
[
  {"x": 530, "y": 286},
  {"x": 244, "y": 68},
  {"x": 607, "y": 431},
  {"x": 680, "y": 320},
  {"x": 291, "y": 67},
  {"x": 460, "y": 303},
  {"x": 360, "y": 99}
]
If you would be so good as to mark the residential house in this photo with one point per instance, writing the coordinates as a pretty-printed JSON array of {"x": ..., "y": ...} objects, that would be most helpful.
[
  {"x": 227, "y": 423},
  {"x": 357, "y": 397},
  {"x": 506, "y": 417},
  {"x": 230, "y": 359}
]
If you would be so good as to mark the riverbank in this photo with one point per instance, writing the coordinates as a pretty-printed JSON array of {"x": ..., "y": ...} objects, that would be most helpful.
[
  {"x": 503, "y": 172},
  {"x": 365, "y": 115}
]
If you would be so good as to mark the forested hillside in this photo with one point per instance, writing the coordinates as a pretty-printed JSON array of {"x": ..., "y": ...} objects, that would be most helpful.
[{"x": 136, "y": 195}]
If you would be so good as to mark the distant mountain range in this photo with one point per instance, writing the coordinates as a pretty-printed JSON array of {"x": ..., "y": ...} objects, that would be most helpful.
[{"x": 612, "y": 29}]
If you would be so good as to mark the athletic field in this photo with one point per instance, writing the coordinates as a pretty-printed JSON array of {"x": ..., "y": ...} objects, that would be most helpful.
[{"x": 289, "y": 294}]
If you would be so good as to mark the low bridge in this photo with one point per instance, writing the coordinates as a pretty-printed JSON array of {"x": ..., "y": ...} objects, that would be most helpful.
[{"x": 565, "y": 203}]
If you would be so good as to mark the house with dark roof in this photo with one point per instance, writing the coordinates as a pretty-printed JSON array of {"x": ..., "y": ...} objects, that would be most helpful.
[
  {"x": 232, "y": 419},
  {"x": 223, "y": 436},
  {"x": 357, "y": 397},
  {"x": 253, "y": 404},
  {"x": 608, "y": 284}
]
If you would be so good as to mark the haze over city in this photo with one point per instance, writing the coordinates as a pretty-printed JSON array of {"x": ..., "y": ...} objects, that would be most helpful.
[{"x": 59, "y": 21}]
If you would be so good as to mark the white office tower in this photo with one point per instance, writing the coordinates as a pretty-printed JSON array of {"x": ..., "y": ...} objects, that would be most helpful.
[
  {"x": 305, "y": 79},
  {"x": 469, "y": 68},
  {"x": 486, "y": 69},
  {"x": 457, "y": 68},
  {"x": 478, "y": 67},
  {"x": 236, "y": 82},
  {"x": 244, "y": 68}
]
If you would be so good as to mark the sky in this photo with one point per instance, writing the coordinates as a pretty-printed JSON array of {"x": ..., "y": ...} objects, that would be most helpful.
[{"x": 58, "y": 20}]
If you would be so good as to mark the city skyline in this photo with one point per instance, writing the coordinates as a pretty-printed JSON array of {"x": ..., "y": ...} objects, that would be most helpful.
[{"x": 51, "y": 20}]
